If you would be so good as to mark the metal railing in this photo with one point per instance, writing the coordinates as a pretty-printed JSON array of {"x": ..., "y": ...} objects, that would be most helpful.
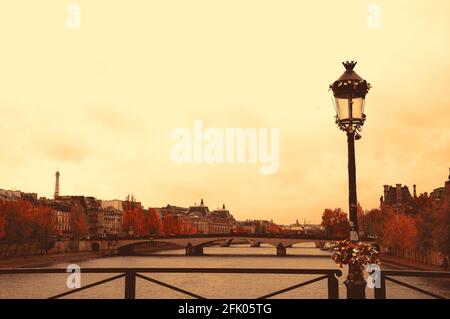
[
  {"x": 130, "y": 275},
  {"x": 386, "y": 275}
]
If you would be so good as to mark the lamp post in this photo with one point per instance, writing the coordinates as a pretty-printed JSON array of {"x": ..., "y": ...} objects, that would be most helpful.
[{"x": 349, "y": 93}]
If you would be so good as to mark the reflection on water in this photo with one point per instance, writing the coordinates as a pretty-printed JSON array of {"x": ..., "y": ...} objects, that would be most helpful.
[{"x": 208, "y": 285}]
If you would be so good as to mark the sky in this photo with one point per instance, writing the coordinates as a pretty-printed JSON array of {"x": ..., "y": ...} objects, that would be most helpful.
[{"x": 101, "y": 101}]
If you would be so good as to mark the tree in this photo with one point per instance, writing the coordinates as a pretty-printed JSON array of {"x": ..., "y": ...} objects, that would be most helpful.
[
  {"x": 44, "y": 225},
  {"x": 441, "y": 229},
  {"x": 133, "y": 221},
  {"x": 78, "y": 222},
  {"x": 374, "y": 223},
  {"x": 133, "y": 218},
  {"x": 18, "y": 221},
  {"x": 360, "y": 218},
  {"x": 154, "y": 222},
  {"x": 336, "y": 223},
  {"x": 273, "y": 228},
  {"x": 400, "y": 231},
  {"x": 22, "y": 222}
]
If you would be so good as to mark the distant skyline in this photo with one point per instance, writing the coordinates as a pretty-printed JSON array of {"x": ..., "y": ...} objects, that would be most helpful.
[{"x": 100, "y": 102}]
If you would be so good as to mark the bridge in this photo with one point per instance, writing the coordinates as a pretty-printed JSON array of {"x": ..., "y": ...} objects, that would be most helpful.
[{"x": 194, "y": 244}]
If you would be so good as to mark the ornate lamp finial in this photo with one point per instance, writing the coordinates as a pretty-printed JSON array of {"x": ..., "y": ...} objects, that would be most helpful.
[{"x": 349, "y": 65}]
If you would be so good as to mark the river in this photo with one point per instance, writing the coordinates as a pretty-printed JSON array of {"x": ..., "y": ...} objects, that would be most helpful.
[{"x": 209, "y": 285}]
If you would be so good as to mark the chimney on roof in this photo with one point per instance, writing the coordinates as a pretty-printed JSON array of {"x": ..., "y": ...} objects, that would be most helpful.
[
  {"x": 56, "y": 184},
  {"x": 415, "y": 193},
  {"x": 386, "y": 191},
  {"x": 398, "y": 193}
]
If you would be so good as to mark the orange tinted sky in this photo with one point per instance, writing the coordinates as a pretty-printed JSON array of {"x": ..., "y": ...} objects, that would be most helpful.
[{"x": 101, "y": 101}]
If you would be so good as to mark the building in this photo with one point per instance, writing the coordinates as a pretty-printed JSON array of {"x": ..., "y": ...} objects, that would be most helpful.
[
  {"x": 112, "y": 211},
  {"x": 62, "y": 214},
  {"x": 114, "y": 203},
  {"x": 18, "y": 195},
  {"x": 201, "y": 209},
  {"x": 396, "y": 198},
  {"x": 221, "y": 221},
  {"x": 295, "y": 228},
  {"x": 174, "y": 210},
  {"x": 441, "y": 195},
  {"x": 245, "y": 228},
  {"x": 201, "y": 225},
  {"x": 112, "y": 220}
]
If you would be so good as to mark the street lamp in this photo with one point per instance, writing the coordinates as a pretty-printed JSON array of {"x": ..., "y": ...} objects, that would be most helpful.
[{"x": 349, "y": 93}]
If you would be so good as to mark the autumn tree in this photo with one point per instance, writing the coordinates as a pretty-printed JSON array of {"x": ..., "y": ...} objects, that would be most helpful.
[
  {"x": 154, "y": 222},
  {"x": 273, "y": 228},
  {"x": 374, "y": 223},
  {"x": 360, "y": 218},
  {"x": 22, "y": 222},
  {"x": 44, "y": 226},
  {"x": 441, "y": 229},
  {"x": 400, "y": 231},
  {"x": 18, "y": 221},
  {"x": 336, "y": 223},
  {"x": 133, "y": 218}
]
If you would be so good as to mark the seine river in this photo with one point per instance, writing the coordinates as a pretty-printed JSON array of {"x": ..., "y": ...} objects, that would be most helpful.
[{"x": 209, "y": 285}]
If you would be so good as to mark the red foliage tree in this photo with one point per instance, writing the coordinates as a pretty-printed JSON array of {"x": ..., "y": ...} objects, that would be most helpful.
[
  {"x": 18, "y": 221},
  {"x": 273, "y": 228},
  {"x": 44, "y": 225},
  {"x": 360, "y": 218},
  {"x": 134, "y": 221},
  {"x": 374, "y": 223},
  {"x": 400, "y": 231},
  {"x": 21, "y": 222},
  {"x": 336, "y": 223},
  {"x": 154, "y": 222}
]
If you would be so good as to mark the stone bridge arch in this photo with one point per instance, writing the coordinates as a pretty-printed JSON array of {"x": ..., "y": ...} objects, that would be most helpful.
[{"x": 194, "y": 245}]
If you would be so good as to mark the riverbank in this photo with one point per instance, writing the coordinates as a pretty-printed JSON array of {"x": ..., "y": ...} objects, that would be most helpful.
[
  {"x": 73, "y": 257},
  {"x": 409, "y": 264},
  {"x": 46, "y": 260}
]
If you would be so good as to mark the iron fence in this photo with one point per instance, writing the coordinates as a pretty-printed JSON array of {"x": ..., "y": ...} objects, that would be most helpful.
[{"x": 130, "y": 275}]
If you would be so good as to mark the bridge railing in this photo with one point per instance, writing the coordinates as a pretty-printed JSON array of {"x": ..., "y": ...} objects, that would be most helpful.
[
  {"x": 330, "y": 275},
  {"x": 386, "y": 275},
  {"x": 130, "y": 275}
]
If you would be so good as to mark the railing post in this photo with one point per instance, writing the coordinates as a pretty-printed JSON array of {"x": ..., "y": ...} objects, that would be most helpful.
[
  {"x": 333, "y": 286},
  {"x": 380, "y": 293},
  {"x": 130, "y": 285}
]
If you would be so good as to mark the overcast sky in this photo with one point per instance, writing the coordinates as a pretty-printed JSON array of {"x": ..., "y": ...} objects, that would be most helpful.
[{"x": 100, "y": 102}]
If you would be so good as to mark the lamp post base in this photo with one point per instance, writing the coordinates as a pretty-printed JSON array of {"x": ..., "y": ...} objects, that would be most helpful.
[{"x": 355, "y": 283}]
